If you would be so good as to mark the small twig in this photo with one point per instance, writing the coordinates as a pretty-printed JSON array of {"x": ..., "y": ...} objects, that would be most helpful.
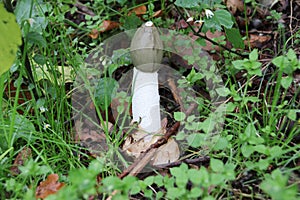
[
  {"x": 208, "y": 39},
  {"x": 148, "y": 154},
  {"x": 84, "y": 9},
  {"x": 187, "y": 161}
]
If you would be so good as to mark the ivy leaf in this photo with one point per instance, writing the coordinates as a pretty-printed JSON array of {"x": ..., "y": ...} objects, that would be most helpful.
[{"x": 10, "y": 39}]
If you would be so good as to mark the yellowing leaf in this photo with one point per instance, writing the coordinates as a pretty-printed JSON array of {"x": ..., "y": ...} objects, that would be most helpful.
[{"x": 10, "y": 39}]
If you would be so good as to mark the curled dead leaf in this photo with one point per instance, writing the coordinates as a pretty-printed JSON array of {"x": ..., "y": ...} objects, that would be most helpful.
[
  {"x": 139, "y": 11},
  {"x": 48, "y": 187},
  {"x": 157, "y": 13},
  {"x": 108, "y": 25},
  {"x": 94, "y": 34}
]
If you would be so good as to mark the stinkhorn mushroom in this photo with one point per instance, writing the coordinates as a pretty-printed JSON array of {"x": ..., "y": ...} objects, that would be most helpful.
[{"x": 146, "y": 52}]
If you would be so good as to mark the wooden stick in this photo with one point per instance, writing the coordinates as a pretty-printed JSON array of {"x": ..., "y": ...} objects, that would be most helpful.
[{"x": 148, "y": 154}]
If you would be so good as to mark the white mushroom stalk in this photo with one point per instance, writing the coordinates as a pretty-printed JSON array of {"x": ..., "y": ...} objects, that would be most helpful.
[{"x": 146, "y": 53}]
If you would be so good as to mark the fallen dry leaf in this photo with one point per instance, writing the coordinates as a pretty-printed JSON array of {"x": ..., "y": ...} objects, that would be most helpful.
[
  {"x": 140, "y": 141},
  {"x": 21, "y": 158},
  {"x": 139, "y": 11},
  {"x": 48, "y": 187},
  {"x": 234, "y": 5},
  {"x": 257, "y": 40},
  {"x": 106, "y": 25},
  {"x": 167, "y": 153},
  {"x": 94, "y": 34},
  {"x": 157, "y": 13}
]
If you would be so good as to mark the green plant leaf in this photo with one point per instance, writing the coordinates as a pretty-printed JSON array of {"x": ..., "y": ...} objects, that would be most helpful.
[
  {"x": 292, "y": 114},
  {"x": 216, "y": 165},
  {"x": 224, "y": 18},
  {"x": 36, "y": 38},
  {"x": 131, "y": 22},
  {"x": 281, "y": 62},
  {"x": 195, "y": 193},
  {"x": 275, "y": 185},
  {"x": 187, "y": 3},
  {"x": 247, "y": 150},
  {"x": 195, "y": 140},
  {"x": 33, "y": 11},
  {"x": 234, "y": 36},
  {"x": 179, "y": 116},
  {"x": 286, "y": 82},
  {"x": 105, "y": 91},
  {"x": 10, "y": 39},
  {"x": 223, "y": 91},
  {"x": 195, "y": 176},
  {"x": 253, "y": 56}
]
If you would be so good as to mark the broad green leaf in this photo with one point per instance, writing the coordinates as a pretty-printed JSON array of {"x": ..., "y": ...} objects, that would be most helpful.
[
  {"x": 223, "y": 91},
  {"x": 263, "y": 164},
  {"x": 10, "y": 39},
  {"x": 247, "y": 150},
  {"x": 239, "y": 64},
  {"x": 216, "y": 165},
  {"x": 221, "y": 144},
  {"x": 187, "y": 3},
  {"x": 260, "y": 148},
  {"x": 224, "y": 18},
  {"x": 291, "y": 54},
  {"x": 36, "y": 38},
  {"x": 292, "y": 114},
  {"x": 104, "y": 92},
  {"x": 234, "y": 36},
  {"x": 253, "y": 56},
  {"x": 195, "y": 140},
  {"x": 286, "y": 82},
  {"x": 280, "y": 62},
  {"x": 179, "y": 116},
  {"x": 194, "y": 176},
  {"x": 130, "y": 22},
  {"x": 23, "y": 127},
  {"x": 33, "y": 11},
  {"x": 276, "y": 151},
  {"x": 195, "y": 193}
]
